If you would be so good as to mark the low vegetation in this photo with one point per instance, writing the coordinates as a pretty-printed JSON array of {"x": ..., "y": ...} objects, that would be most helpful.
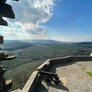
[{"x": 89, "y": 73}]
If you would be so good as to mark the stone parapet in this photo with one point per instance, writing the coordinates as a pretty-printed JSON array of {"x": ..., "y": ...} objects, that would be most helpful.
[{"x": 35, "y": 77}]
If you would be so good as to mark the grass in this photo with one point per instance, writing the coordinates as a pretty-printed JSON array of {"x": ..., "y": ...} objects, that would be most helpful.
[{"x": 89, "y": 73}]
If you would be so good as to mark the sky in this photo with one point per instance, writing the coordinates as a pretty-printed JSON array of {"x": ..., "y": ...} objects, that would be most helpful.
[{"x": 62, "y": 20}]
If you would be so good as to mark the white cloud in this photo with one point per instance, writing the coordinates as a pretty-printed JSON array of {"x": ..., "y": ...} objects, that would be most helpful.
[{"x": 29, "y": 15}]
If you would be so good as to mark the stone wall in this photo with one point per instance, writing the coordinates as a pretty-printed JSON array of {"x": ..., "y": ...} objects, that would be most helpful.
[{"x": 35, "y": 77}]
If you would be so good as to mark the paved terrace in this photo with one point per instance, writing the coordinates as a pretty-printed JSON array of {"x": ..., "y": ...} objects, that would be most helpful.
[
  {"x": 72, "y": 72},
  {"x": 73, "y": 76}
]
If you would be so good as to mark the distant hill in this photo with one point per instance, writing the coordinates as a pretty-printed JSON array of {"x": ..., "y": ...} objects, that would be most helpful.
[
  {"x": 22, "y": 44},
  {"x": 84, "y": 43},
  {"x": 33, "y": 41},
  {"x": 42, "y": 41},
  {"x": 15, "y": 44}
]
